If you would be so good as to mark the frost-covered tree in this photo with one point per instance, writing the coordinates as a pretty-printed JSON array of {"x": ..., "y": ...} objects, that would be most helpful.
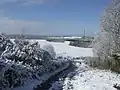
[
  {"x": 109, "y": 37},
  {"x": 107, "y": 42},
  {"x": 110, "y": 23},
  {"x": 102, "y": 45}
]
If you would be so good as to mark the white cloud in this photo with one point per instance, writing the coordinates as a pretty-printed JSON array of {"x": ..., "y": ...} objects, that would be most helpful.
[
  {"x": 24, "y": 2},
  {"x": 16, "y": 26}
]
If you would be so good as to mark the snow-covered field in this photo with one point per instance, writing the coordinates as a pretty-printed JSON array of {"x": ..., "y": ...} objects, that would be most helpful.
[
  {"x": 71, "y": 37},
  {"x": 66, "y": 50}
]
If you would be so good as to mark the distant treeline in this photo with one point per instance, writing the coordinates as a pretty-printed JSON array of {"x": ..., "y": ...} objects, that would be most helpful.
[{"x": 46, "y": 37}]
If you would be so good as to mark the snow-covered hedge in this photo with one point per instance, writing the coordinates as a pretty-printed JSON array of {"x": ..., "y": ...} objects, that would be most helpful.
[
  {"x": 12, "y": 75},
  {"x": 23, "y": 61},
  {"x": 27, "y": 53},
  {"x": 16, "y": 74},
  {"x": 107, "y": 41}
]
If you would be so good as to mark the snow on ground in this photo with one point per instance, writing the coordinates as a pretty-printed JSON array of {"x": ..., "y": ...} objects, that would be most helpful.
[
  {"x": 93, "y": 80},
  {"x": 86, "y": 78},
  {"x": 66, "y": 50},
  {"x": 71, "y": 37}
]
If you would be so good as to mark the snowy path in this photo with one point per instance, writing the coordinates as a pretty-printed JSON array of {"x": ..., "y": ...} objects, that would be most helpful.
[
  {"x": 60, "y": 77},
  {"x": 44, "y": 78}
]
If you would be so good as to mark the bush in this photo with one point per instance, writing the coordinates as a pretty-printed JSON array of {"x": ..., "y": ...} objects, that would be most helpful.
[
  {"x": 27, "y": 53},
  {"x": 112, "y": 63},
  {"x": 115, "y": 64},
  {"x": 23, "y": 61},
  {"x": 14, "y": 74}
]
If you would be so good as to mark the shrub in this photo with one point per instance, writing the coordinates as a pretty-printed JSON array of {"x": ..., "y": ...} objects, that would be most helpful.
[
  {"x": 111, "y": 63},
  {"x": 23, "y": 61},
  {"x": 27, "y": 53},
  {"x": 14, "y": 74}
]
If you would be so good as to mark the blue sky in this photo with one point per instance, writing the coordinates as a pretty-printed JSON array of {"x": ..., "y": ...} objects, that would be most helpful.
[{"x": 51, "y": 17}]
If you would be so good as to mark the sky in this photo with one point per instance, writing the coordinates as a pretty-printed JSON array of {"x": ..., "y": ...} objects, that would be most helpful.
[{"x": 51, "y": 17}]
